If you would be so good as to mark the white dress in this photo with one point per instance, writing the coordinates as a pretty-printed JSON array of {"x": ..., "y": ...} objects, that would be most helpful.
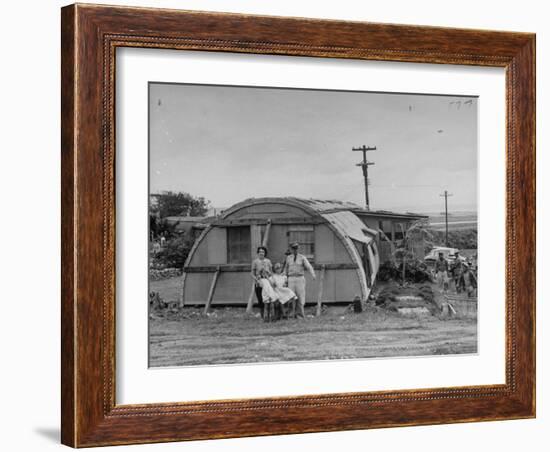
[
  {"x": 268, "y": 294},
  {"x": 284, "y": 294}
]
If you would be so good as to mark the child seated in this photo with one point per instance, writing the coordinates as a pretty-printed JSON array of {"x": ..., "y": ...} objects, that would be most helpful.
[
  {"x": 279, "y": 283},
  {"x": 269, "y": 296}
]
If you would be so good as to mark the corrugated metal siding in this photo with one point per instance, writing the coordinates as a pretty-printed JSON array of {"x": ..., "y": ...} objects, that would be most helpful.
[
  {"x": 200, "y": 256},
  {"x": 196, "y": 287},
  {"x": 324, "y": 205},
  {"x": 235, "y": 288},
  {"x": 268, "y": 210},
  {"x": 346, "y": 286},
  {"x": 277, "y": 243},
  {"x": 324, "y": 245},
  {"x": 232, "y": 287},
  {"x": 217, "y": 246}
]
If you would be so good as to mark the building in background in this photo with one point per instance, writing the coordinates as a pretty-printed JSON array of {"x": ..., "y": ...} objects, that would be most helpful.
[{"x": 342, "y": 241}]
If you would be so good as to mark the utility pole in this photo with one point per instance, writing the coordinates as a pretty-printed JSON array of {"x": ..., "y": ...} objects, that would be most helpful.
[
  {"x": 365, "y": 166},
  {"x": 446, "y": 195}
]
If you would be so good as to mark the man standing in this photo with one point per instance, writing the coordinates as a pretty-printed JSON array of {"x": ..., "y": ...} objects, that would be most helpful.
[
  {"x": 295, "y": 266},
  {"x": 470, "y": 280},
  {"x": 457, "y": 270},
  {"x": 441, "y": 269}
]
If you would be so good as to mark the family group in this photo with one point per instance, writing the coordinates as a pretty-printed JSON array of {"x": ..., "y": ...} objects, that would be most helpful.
[{"x": 281, "y": 288}]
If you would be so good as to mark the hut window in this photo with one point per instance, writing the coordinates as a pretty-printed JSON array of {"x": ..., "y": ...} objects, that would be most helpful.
[
  {"x": 305, "y": 236},
  {"x": 238, "y": 245}
]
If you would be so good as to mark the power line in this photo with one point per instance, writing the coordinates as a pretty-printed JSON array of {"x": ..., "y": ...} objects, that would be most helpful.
[{"x": 365, "y": 167}]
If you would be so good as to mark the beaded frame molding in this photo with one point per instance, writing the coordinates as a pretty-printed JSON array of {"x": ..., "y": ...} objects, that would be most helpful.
[{"x": 90, "y": 35}]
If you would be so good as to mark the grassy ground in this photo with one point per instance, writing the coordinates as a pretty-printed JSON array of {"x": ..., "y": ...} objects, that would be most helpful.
[
  {"x": 229, "y": 335},
  {"x": 169, "y": 289}
]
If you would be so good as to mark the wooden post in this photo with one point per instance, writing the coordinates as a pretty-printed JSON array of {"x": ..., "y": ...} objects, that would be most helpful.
[
  {"x": 320, "y": 293},
  {"x": 184, "y": 277},
  {"x": 211, "y": 292},
  {"x": 266, "y": 235},
  {"x": 404, "y": 263},
  {"x": 250, "y": 300}
]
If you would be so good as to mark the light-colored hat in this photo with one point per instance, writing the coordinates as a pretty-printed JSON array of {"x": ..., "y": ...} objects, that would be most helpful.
[{"x": 294, "y": 245}]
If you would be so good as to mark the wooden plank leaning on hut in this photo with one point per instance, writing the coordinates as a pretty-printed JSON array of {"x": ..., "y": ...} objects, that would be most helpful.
[{"x": 211, "y": 291}]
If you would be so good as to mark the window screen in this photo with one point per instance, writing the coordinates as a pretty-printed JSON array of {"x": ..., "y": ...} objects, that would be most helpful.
[{"x": 238, "y": 245}]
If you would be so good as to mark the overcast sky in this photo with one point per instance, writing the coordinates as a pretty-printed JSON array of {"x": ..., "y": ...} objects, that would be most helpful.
[{"x": 232, "y": 143}]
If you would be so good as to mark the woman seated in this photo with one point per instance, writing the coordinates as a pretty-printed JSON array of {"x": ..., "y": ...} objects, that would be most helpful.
[{"x": 261, "y": 263}]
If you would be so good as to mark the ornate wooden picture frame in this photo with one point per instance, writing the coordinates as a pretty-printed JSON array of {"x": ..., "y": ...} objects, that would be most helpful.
[{"x": 90, "y": 37}]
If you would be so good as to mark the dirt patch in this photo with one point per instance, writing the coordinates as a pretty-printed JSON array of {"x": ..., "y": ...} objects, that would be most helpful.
[
  {"x": 231, "y": 336},
  {"x": 228, "y": 335}
]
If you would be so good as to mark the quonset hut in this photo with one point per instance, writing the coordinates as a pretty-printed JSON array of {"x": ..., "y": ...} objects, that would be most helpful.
[{"x": 338, "y": 243}]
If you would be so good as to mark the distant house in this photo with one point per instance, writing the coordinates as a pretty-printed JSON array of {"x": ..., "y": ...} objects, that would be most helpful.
[
  {"x": 341, "y": 239},
  {"x": 188, "y": 224},
  {"x": 392, "y": 227}
]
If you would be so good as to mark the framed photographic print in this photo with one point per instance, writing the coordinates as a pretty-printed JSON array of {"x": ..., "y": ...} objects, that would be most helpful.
[{"x": 281, "y": 225}]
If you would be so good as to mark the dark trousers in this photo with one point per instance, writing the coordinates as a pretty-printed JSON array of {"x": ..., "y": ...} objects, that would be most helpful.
[{"x": 258, "y": 290}]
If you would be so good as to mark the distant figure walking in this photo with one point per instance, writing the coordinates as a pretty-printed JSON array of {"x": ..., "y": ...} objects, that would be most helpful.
[
  {"x": 296, "y": 265},
  {"x": 261, "y": 266},
  {"x": 457, "y": 271},
  {"x": 470, "y": 281},
  {"x": 441, "y": 273}
]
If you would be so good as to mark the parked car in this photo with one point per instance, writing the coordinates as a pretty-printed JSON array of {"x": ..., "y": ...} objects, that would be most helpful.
[{"x": 448, "y": 253}]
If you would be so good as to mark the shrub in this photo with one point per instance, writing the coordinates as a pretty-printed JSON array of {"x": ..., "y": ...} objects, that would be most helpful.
[
  {"x": 175, "y": 252},
  {"x": 463, "y": 239}
]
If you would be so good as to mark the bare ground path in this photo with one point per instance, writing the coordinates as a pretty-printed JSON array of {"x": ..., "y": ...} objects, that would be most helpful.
[{"x": 229, "y": 336}]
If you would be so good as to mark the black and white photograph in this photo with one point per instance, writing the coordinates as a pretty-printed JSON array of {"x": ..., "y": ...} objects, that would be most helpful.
[
  {"x": 300, "y": 225},
  {"x": 293, "y": 225}
]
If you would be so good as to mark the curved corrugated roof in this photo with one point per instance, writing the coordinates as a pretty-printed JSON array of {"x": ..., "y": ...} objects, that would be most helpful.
[
  {"x": 324, "y": 205},
  {"x": 349, "y": 225},
  {"x": 312, "y": 206},
  {"x": 319, "y": 206}
]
